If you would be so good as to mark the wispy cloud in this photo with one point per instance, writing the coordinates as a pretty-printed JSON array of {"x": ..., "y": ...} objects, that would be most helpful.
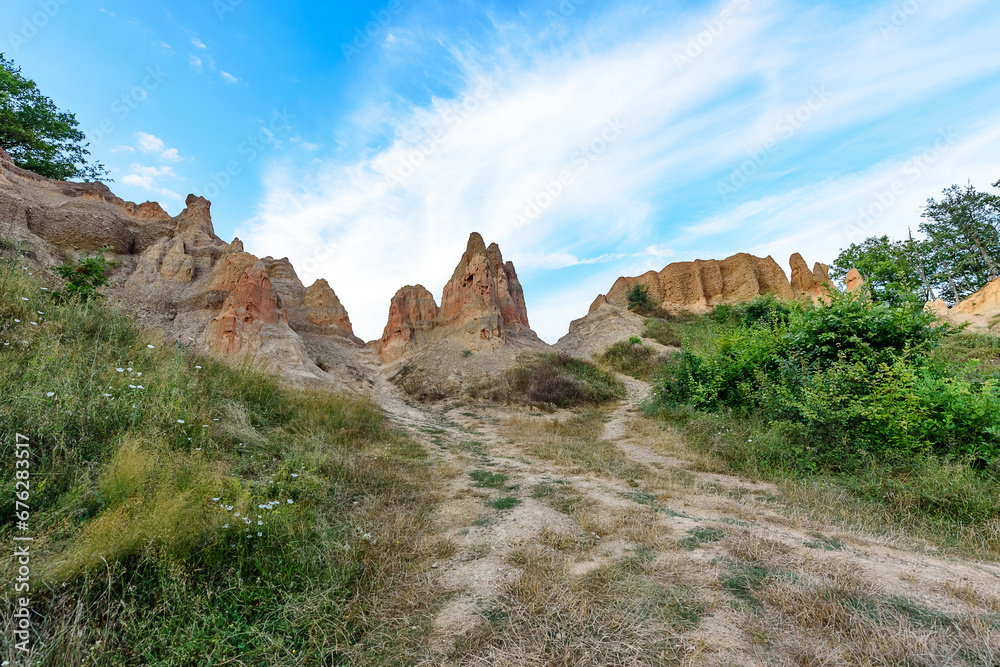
[
  {"x": 196, "y": 63},
  {"x": 529, "y": 127},
  {"x": 149, "y": 178},
  {"x": 153, "y": 145}
]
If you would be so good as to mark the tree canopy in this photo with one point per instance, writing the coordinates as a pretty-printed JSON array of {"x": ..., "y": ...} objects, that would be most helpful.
[
  {"x": 957, "y": 256},
  {"x": 37, "y": 135}
]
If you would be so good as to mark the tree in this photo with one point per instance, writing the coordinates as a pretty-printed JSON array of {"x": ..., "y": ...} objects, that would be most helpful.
[
  {"x": 890, "y": 268},
  {"x": 963, "y": 230},
  {"x": 38, "y": 136}
]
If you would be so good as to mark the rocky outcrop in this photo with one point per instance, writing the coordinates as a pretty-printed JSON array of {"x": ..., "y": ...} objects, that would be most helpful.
[
  {"x": 702, "y": 284},
  {"x": 853, "y": 281},
  {"x": 178, "y": 276},
  {"x": 252, "y": 304},
  {"x": 481, "y": 306},
  {"x": 412, "y": 314},
  {"x": 811, "y": 285},
  {"x": 980, "y": 311}
]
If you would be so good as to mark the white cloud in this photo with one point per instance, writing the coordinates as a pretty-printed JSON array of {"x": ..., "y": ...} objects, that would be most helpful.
[
  {"x": 148, "y": 178},
  {"x": 585, "y": 154},
  {"x": 153, "y": 145},
  {"x": 195, "y": 63},
  {"x": 149, "y": 143},
  {"x": 198, "y": 43},
  {"x": 123, "y": 149},
  {"x": 228, "y": 78}
]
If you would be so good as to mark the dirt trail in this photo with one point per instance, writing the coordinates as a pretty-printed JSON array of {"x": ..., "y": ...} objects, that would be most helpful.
[{"x": 516, "y": 479}]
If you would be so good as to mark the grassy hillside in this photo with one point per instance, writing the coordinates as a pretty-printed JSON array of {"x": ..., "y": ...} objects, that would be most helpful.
[
  {"x": 865, "y": 410},
  {"x": 185, "y": 512}
]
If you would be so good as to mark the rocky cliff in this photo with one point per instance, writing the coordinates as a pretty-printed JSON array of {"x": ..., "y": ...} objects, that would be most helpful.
[
  {"x": 980, "y": 311},
  {"x": 480, "y": 328},
  {"x": 481, "y": 307},
  {"x": 702, "y": 284},
  {"x": 176, "y": 274}
]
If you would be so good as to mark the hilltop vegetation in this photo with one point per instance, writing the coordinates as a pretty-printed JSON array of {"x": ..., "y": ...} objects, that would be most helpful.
[{"x": 874, "y": 396}]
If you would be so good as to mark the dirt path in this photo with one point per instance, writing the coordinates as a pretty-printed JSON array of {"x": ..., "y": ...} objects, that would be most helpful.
[{"x": 578, "y": 495}]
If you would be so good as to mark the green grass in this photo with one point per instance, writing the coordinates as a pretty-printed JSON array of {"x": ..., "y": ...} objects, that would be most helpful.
[
  {"x": 134, "y": 561},
  {"x": 631, "y": 357},
  {"x": 504, "y": 503},
  {"x": 487, "y": 479},
  {"x": 695, "y": 331},
  {"x": 700, "y": 535}
]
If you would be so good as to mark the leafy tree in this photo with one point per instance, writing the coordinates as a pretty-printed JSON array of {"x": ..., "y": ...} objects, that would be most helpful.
[
  {"x": 38, "y": 136},
  {"x": 84, "y": 276},
  {"x": 888, "y": 267},
  {"x": 964, "y": 239}
]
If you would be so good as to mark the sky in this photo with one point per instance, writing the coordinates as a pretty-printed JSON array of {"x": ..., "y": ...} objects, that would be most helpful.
[{"x": 591, "y": 140}]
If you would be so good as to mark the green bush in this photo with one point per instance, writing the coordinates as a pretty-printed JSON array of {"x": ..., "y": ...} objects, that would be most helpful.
[
  {"x": 638, "y": 297},
  {"x": 631, "y": 357},
  {"x": 845, "y": 383},
  {"x": 84, "y": 276}
]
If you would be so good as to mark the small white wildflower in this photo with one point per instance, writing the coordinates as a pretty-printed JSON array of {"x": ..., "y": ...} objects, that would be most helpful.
[
  {"x": 237, "y": 514},
  {"x": 35, "y": 323},
  {"x": 294, "y": 475},
  {"x": 215, "y": 499},
  {"x": 50, "y": 394},
  {"x": 150, "y": 346},
  {"x": 225, "y": 525},
  {"x": 260, "y": 523},
  {"x": 180, "y": 421},
  {"x": 229, "y": 508},
  {"x": 138, "y": 375},
  {"x": 367, "y": 536},
  {"x": 197, "y": 366},
  {"x": 289, "y": 501},
  {"x": 131, "y": 386},
  {"x": 139, "y": 386},
  {"x": 260, "y": 534},
  {"x": 18, "y": 321},
  {"x": 197, "y": 449},
  {"x": 120, "y": 370},
  {"x": 45, "y": 289},
  {"x": 129, "y": 369},
  {"x": 204, "y": 425},
  {"x": 24, "y": 298},
  {"x": 39, "y": 312}
]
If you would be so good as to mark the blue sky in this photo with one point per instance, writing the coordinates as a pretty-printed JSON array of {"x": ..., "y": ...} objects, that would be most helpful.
[{"x": 590, "y": 139}]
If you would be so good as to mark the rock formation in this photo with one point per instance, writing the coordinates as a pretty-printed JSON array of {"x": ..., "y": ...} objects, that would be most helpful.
[
  {"x": 481, "y": 306},
  {"x": 812, "y": 285},
  {"x": 853, "y": 281},
  {"x": 980, "y": 311},
  {"x": 702, "y": 284},
  {"x": 176, "y": 275}
]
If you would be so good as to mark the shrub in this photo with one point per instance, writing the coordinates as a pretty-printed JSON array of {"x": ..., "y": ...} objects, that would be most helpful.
[
  {"x": 638, "y": 297},
  {"x": 631, "y": 357},
  {"x": 553, "y": 381},
  {"x": 853, "y": 377},
  {"x": 84, "y": 276}
]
